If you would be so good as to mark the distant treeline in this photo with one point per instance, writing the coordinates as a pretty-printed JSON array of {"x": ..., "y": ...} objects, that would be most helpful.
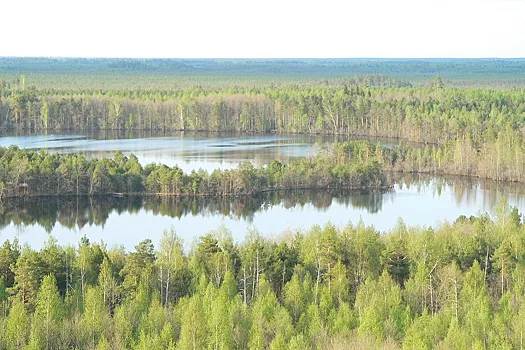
[
  {"x": 126, "y": 72},
  {"x": 458, "y": 286},
  {"x": 37, "y": 173},
  {"x": 432, "y": 114}
]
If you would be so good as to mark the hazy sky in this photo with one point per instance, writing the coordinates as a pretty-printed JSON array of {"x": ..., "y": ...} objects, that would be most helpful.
[{"x": 263, "y": 28}]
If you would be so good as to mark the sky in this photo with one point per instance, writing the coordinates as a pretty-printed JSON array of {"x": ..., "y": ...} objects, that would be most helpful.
[{"x": 262, "y": 28}]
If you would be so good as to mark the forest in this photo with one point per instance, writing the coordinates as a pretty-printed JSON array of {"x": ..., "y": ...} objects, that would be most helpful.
[
  {"x": 458, "y": 286},
  {"x": 428, "y": 114},
  {"x": 353, "y": 165},
  {"x": 501, "y": 160},
  {"x": 39, "y": 173},
  {"x": 455, "y": 285},
  {"x": 474, "y": 131}
]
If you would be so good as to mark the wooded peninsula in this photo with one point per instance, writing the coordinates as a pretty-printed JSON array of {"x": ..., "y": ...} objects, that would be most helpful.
[{"x": 354, "y": 165}]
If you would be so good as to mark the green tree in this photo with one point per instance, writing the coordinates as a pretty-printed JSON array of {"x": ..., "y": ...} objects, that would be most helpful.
[
  {"x": 139, "y": 266},
  {"x": 17, "y": 326},
  {"x": 9, "y": 253},
  {"x": 100, "y": 179},
  {"x": 28, "y": 272},
  {"x": 48, "y": 315},
  {"x": 170, "y": 261},
  {"x": 193, "y": 333},
  {"x": 108, "y": 284},
  {"x": 95, "y": 318},
  {"x": 381, "y": 311}
]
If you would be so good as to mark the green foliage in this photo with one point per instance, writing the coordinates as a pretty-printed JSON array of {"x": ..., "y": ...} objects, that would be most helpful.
[
  {"x": 344, "y": 289},
  {"x": 381, "y": 310},
  {"x": 17, "y": 326},
  {"x": 433, "y": 114},
  {"x": 95, "y": 318},
  {"x": 460, "y": 131},
  {"x": 459, "y": 286},
  {"x": 193, "y": 333},
  {"x": 47, "y": 316},
  {"x": 50, "y": 174}
]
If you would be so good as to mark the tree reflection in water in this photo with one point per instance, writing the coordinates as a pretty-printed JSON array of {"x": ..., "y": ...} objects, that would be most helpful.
[
  {"x": 77, "y": 212},
  {"x": 73, "y": 212}
]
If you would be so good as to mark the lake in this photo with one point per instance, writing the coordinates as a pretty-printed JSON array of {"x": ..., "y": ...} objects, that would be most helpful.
[
  {"x": 418, "y": 200},
  {"x": 188, "y": 150}
]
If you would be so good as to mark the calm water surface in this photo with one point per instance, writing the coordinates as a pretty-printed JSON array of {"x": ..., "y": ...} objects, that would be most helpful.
[
  {"x": 126, "y": 221},
  {"x": 189, "y": 151},
  {"x": 422, "y": 201}
]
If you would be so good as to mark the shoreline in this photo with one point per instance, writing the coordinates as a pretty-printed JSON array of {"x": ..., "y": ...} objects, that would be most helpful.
[{"x": 372, "y": 189}]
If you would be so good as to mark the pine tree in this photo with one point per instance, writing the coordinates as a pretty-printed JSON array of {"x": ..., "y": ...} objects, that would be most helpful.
[{"x": 28, "y": 274}]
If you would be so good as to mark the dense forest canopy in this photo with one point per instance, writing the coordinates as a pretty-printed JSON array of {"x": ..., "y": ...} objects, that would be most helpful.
[
  {"x": 39, "y": 173},
  {"x": 424, "y": 114},
  {"x": 455, "y": 287},
  {"x": 473, "y": 131}
]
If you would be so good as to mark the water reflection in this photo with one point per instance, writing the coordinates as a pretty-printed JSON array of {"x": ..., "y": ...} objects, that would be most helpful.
[
  {"x": 486, "y": 194},
  {"x": 422, "y": 201},
  {"x": 79, "y": 212},
  {"x": 188, "y": 150}
]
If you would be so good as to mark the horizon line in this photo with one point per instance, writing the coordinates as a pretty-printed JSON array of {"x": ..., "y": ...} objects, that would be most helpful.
[{"x": 267, "y": 58}]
